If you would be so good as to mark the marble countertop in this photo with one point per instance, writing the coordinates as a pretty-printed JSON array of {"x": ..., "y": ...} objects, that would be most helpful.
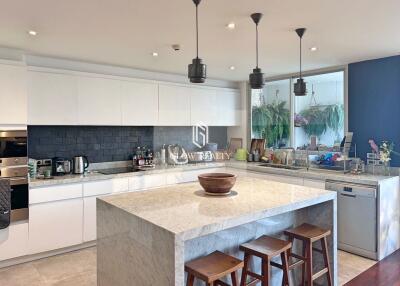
[
  {"x": 187, "y": 212},
  {"x": 96, "y": 176},
  {"x": 367, "y": 179}
]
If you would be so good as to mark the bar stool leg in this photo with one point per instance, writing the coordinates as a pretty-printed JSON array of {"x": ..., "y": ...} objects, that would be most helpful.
[
  {"x": 265, "y": 265},
  {"x": 244, "y": 270},
  {"x": 234, "y": 279},
  {"x": 303, "y": 266},
  {"x": 324, "y": 245},
  {"x": 285, "y": 268},
  {"x": 190, "y": 280},
  {"x": 309, "y": 263}
]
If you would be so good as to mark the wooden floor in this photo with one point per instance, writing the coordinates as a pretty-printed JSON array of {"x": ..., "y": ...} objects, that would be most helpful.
[
  {"x": 79, "y": 269},
  {"x": 384, "y": 273}
]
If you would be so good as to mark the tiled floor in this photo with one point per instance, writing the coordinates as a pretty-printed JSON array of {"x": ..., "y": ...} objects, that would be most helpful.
[{"x": 79, "y": 269}]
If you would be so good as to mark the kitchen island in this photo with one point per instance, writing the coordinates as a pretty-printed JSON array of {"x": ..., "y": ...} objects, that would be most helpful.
[{"x": 144, "y": 238}]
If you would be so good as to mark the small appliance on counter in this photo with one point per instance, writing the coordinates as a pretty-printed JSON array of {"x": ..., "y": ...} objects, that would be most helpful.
[
  {"x": 61, "y": 166},
  {"x": 177, "y": 155},
  {"x": 44, "y": 166},
  {"x": 80, "y": 164},
  {"x": 143, "y": 159}
]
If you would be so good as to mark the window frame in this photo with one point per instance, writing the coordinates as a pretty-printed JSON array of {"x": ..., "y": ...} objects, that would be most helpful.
[{"x": 291, "y": 77}]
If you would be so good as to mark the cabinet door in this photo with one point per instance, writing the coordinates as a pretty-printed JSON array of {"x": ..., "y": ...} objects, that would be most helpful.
[
  {"x": 174, "y": 105},
  {"x": 228, "y": 108},
  {"x": 89, "y": 219},
  {"x": 139, "y": 104},
  {"x": 55, "y": 225},
  {"x": 13, "y": 95},
  {"x": 203, "y": 106},
  {"x": 53, "y": 99},
  {"x": 99, "y": 101},
  {"x": 147, "y": 182},
  {"x": 14, "y": 241}
]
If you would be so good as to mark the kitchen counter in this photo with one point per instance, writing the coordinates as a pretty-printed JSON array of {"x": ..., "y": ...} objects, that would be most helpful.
[
  {"x": 95, "y": 175},
  {"x": 147, "y": 236},
  {"x": 367, "y": 179}
]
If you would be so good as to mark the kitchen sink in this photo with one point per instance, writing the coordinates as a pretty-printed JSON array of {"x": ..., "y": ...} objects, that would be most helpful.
[{"x": 278, "y": 166}]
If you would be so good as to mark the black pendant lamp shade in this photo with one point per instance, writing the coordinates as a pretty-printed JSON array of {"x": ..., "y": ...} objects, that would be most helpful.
[
  {"x": 197, "y": 71},
  {"x": 300, "y": 87},
  {"x": 257, "y": 77}
]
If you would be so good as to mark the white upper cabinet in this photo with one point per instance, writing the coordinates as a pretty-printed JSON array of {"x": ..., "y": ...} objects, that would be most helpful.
[
  {"x": 99, "y": 101},
  {"x": 203, "y": 106},
  {"x": 174, "y": 105},
  {"x": 228, "y": 108},
  {"x": 13, "y": 94},
  {"x": 139, "y": 103},
  {"x": 46, "y": 89}
]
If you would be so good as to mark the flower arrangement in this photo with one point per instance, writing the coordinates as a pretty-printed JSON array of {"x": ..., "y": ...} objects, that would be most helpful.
[{"x": 385, "y": 151}]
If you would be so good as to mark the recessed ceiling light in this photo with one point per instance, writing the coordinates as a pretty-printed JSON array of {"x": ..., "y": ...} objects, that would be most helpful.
[
  {"x": 231, "y": 26},
  {"x": 313, "y": 49},
  {"x": 232, "y": 68},
  {"x": 155, "y": 54},
  {"x": 32, "y": 33}
]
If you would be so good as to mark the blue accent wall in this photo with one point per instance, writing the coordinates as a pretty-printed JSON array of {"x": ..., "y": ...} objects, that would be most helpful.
[{"x": 374, "y": 103}]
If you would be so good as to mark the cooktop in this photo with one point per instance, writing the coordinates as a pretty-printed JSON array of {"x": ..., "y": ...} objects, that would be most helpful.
[{"x": 121, "y": 170}]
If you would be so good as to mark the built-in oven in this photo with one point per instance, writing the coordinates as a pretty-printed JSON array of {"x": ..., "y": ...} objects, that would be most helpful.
[{"x": 13, "y": 167}]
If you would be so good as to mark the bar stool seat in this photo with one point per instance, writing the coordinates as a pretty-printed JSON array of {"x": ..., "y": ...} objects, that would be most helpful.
[
  {"x": 213, "y": 267},
  {"x": 266, "y": 248},
  {"x": 308, "y": 234}
]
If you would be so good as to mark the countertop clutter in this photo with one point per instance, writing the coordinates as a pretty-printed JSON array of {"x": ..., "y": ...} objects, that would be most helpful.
[{"x": 321, "y": 175}]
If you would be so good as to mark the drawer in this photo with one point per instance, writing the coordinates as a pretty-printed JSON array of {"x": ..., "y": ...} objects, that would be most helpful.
[
  {"x": 120, "y": 185},
  {"x": 97, "y": 188},
  {"x": 147, "y": 182},
  {"x": 55, "y": 193}
]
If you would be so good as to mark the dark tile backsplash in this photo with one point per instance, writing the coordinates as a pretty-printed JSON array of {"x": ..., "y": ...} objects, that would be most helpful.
[
  {"x": 183, "y": 136},
  {"x": 99, "y": 143},
  {"x": 109, "y": 143}
]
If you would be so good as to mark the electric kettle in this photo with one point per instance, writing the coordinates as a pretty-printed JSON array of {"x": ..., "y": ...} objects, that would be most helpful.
[{"x": 80, "y": 164}]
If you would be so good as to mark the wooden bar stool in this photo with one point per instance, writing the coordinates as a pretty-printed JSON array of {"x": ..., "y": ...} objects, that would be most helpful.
[
  {"x": 266, "y": 248},
  {"x": 309, "y": 234},
  {"x": 212, "y": 268}
]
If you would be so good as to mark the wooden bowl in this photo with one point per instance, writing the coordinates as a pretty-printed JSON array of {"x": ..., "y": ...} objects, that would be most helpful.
[{"x": 217, "y": 183}]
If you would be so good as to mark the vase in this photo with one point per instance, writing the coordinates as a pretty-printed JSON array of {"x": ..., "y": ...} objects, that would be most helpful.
[{"x": 386, "y": 168}]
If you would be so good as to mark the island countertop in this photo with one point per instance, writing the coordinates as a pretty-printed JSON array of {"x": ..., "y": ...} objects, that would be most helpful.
[{"x": 187, "y": 212}]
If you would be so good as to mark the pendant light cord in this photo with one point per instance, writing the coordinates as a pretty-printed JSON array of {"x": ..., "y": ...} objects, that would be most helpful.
[
  {"x": 300, "y": 58},
  {"x": 257, "y": 45},
  {"x": 197, "y": 32}
]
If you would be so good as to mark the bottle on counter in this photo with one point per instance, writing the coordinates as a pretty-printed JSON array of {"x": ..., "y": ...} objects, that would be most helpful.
[{"x": 163, "y": 158}]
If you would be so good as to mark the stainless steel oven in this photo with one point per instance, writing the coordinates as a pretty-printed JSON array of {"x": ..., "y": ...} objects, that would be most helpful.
[{"x": 13, "y": 166}]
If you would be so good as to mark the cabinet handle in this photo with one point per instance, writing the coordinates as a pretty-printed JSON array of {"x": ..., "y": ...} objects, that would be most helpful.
[{"x": 347, "y": 195}]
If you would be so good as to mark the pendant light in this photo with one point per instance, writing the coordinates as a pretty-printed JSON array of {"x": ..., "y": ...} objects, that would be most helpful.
[
  {"x": 300, "y": 87},
  {"x": 197, "y": 71},
  {"x": 257, "y": 77}
]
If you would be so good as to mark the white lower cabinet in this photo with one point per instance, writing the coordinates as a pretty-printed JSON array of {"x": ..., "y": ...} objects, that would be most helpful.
[
  {"x": 120, "y": 185},
  {"x": 147, "y": 182},
  {"x": 89, "y": 219},
  {"x": 55, "y": 225},
  {"x": 14, "y": 241}
]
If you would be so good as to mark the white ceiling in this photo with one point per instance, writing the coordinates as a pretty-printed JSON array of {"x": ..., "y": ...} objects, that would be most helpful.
[{"x": 126, "y": 32}]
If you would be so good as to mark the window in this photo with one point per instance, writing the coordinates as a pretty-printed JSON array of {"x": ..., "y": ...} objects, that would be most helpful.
[
  {"x": 271, "y": 113},
  {"x": 285, "y": 120}
]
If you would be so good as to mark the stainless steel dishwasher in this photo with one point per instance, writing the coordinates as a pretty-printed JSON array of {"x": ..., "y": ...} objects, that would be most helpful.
[{"x": 357, "y": 217}]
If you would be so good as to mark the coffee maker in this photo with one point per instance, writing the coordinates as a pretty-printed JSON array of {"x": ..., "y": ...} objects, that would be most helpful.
[{"x": 61, "y": 166}]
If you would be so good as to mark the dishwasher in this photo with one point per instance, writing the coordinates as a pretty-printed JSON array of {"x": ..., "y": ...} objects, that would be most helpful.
[{"x": 356, "y": 217}]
